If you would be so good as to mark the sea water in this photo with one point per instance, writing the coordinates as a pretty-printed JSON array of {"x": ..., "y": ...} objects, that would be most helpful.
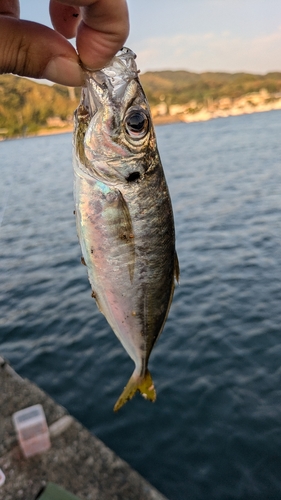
[{"x": 215, "y": 430}]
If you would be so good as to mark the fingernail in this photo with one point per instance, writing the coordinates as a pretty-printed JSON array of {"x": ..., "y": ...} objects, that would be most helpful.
[{"x": 64, "y": 71}]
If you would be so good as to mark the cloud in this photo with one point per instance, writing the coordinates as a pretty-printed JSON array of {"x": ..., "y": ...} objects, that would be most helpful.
[{"x": 211, "y": 52}]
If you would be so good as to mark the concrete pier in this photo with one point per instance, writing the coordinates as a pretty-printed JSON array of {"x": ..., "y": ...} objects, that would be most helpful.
[{"x": 77, "y": 460}]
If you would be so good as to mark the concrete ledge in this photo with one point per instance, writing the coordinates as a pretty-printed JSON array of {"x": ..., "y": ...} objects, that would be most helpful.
[{"x": 77, "y": 460}]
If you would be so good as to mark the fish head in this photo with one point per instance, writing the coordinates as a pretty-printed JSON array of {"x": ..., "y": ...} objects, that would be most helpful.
[{"x": 113, "y": 122}]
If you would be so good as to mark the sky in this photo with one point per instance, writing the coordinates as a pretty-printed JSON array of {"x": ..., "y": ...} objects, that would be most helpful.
[{"x": 197, "y": 35}]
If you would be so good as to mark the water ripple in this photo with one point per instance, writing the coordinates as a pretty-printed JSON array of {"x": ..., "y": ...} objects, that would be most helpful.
[{"x": 214, "y": 431}]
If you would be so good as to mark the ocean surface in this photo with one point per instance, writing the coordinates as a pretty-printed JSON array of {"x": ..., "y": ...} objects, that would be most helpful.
[{"x": 214, "y": 432}]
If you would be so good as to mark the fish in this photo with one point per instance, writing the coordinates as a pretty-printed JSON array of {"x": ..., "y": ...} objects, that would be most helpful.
[{"x": 124, "y": 214}]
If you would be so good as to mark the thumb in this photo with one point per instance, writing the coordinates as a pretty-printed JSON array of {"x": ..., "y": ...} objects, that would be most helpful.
[{"x": 34, "y": 50}]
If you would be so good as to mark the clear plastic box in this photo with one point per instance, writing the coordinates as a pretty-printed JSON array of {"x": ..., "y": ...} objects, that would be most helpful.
[
  {"x": 2, "y": 477},
  {"x": 32, "y": 430}
]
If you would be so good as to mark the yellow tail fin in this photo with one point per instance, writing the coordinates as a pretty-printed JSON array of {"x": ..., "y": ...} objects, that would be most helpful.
[{"x": 143, "y": 384}]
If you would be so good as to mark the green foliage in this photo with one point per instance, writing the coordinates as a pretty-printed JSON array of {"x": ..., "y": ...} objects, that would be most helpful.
[{"x": 25, "y": 105}]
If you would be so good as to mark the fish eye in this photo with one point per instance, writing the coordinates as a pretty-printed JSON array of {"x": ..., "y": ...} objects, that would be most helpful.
[{"x": 136, "y": 124}]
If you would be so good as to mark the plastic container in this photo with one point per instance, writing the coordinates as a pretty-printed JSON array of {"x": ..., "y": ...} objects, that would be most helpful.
[
  {"x": 32, "y": 430},
  {"x": 2, "y": 477}
]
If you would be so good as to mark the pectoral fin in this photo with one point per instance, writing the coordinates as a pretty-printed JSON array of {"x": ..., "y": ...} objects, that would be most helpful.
[
  {"x": 143, "y": 384},
  {"x": 126, "y": 233},
  {"x": 120, "y": 220}
]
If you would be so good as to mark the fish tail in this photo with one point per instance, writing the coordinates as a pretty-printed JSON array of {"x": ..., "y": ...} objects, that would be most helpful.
[{"x": 141, "y": 383}]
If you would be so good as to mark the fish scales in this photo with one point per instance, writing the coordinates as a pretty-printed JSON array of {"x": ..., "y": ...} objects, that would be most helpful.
[{"x": 124, "y": 213}]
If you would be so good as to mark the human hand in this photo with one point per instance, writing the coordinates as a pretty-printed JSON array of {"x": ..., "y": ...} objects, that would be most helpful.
[{"x": 31, "y": 49}]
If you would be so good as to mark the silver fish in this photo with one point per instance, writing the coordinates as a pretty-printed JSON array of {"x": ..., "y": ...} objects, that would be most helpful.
[{"x": 124, "y": 213}]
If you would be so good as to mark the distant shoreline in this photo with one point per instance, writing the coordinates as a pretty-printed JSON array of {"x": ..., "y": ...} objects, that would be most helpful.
[
  {"x": 253, "y": 102},
  {"x": 203, "y": 115}
]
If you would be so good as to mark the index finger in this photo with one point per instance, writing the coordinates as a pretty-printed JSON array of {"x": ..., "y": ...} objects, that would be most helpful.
[{"x": 101, "y": 27}]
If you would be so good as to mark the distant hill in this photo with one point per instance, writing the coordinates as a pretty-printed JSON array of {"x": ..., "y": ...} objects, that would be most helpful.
[
  {"x": 27, "y": 106},
  {"x": 179, "y": 87}
]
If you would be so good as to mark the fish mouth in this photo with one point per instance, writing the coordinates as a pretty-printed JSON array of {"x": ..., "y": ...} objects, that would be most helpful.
[
  {"x": 120, "y": 72},
  {"x": 108, "y": 85}
]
